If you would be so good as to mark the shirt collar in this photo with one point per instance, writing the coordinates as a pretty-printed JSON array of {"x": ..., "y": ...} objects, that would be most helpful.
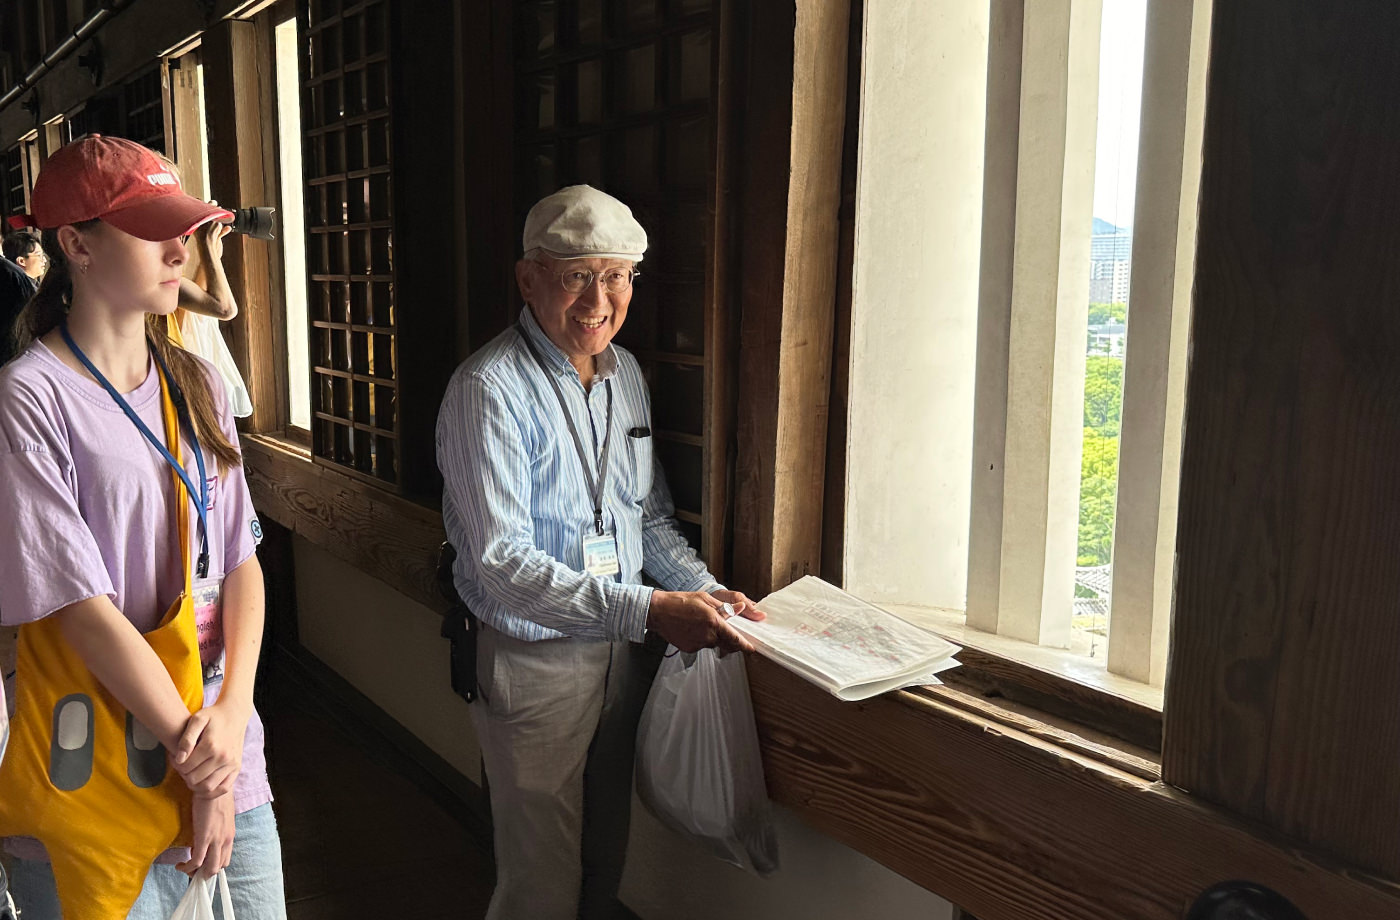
[{"x": 605, "y": 364}]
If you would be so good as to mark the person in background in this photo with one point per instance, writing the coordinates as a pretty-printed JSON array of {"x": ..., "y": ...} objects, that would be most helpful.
[
  {"x": 556, "y": 506},
  {"x": 205, "y": 301},
  {"x": 22, "y": 248},
  {"x": 24, "y": 264}
]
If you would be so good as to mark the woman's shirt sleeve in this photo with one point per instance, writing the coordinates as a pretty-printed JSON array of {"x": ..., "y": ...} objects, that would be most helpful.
[{"x": 49, "y": 558}]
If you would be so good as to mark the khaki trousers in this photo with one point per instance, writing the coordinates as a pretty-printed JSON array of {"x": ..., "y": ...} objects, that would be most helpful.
[{"x": 557, "y": 724}]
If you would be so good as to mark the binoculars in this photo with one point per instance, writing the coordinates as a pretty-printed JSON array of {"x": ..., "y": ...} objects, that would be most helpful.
[{"x": 258, "y": 223}]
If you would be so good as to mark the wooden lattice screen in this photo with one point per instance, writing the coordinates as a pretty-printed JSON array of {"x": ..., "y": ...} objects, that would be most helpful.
[
  {"x": 349, "y": 252},
  {"x": 617, "y": 95},
  {"x": 13, "y": 163},
  {"x": 144, "y": 105}
]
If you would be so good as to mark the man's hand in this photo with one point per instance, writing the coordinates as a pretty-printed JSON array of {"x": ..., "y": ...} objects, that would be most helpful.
[
  {"x": 692, "y": 620},
  {"x": 213, "y": 837},
  {"x": 210, "y": 753},
  {"x": 740, "y": 604}
]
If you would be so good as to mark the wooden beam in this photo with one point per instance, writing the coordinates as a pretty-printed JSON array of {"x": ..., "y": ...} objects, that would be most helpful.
[
  {"x": 720, "y": 328},
  {"x": 186, "y": 147},
  {"x": 378, "y": 533},
  {"x": 233, "y": 76},
  {"x": 1283, "y": 690},
  {"x": 424, "y": 180},
  {"x": 1012, "y": 826},
  {"x": 794, "y": 121},
  {"x": 487, "y": 172}
]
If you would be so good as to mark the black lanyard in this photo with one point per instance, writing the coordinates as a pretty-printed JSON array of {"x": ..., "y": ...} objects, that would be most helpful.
[
  {"x": 178, "y": 398},
  {"x": 595, "y": 485}
]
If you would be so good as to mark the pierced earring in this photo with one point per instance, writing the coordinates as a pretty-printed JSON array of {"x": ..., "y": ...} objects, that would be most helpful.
[{"x": 84, "y": 267}]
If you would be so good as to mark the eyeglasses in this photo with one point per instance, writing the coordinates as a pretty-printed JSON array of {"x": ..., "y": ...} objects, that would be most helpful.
[{"x": 578, "y": 280}]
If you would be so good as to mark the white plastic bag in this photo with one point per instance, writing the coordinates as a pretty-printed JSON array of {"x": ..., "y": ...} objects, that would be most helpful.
[
  {"x": 4, "y": 722},
  {"x": 202, "y": 336},
  {"x": 698, "y": 765},
  {"x": 198, "y": 902}
]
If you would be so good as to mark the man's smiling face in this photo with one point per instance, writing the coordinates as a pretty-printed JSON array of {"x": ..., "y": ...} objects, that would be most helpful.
[{"x": 581, "y": 324}]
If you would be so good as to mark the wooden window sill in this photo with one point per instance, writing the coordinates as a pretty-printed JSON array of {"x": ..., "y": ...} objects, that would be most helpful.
[{"x": 1064, "y": 686}]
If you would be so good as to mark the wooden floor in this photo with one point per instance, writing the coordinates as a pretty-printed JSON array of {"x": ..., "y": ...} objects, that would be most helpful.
[{"x": 358, "y": 840}]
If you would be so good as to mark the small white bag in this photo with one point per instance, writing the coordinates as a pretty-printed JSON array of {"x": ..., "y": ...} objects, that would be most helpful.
[
  {"x": 198, "y": 902},
  {"x": 699, "y": 770},
  {"x": 202, "y": 336}
]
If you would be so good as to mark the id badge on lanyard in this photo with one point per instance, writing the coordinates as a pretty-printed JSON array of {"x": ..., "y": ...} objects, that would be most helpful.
[
  {"x": 600, "y": 553},
  {"x": 209, "y": 625}
]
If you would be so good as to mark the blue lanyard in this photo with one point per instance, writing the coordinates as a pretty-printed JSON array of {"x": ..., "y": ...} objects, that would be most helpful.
[{"x": 178, "y": 398}]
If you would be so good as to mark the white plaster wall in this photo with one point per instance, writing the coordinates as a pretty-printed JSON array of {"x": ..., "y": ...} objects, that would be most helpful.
[
  {"x": 914, "y": 310},
  {"x": 388, "y": 647},
  {"x": 670, "y": 878}
]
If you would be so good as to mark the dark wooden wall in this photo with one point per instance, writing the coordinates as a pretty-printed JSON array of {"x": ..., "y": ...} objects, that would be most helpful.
[{"x": 1283, "y": 698}]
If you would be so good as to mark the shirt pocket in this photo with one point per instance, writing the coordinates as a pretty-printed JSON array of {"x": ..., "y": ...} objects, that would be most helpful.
[{"x": 640, "y": 460}]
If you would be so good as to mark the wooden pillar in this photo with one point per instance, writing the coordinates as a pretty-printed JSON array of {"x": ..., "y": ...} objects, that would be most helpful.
[
  {"x": 1283, "y": 690},
  {"x": 186, "y": 123},
  {"x": 423, "y": 250},
  {"x": 233, "y": 68},
  {"x": 795, "y": 86}
]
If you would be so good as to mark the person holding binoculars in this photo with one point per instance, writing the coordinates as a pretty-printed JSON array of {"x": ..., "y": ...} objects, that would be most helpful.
[{"x": 206, "y": 298}]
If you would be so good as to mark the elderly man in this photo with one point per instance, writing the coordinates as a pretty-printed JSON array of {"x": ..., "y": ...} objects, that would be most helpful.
[{"x": 556, "y": 505}]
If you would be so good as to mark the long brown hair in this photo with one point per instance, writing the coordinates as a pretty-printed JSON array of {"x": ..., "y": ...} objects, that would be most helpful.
[{"x": 48, "y": 307}]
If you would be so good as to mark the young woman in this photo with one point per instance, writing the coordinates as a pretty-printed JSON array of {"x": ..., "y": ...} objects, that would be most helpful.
[{"x": 129, "y": 520}]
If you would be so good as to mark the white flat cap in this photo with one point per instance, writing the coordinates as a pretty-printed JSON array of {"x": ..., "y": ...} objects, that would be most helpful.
[{"x": 580, "y": 222}]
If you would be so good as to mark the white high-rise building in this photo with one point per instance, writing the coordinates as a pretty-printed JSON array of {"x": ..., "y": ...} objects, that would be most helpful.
[{"x": 1110, "y": 262}]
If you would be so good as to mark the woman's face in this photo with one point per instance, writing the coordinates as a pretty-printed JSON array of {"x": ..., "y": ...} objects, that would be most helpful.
[{"x": 125, "y": 272}]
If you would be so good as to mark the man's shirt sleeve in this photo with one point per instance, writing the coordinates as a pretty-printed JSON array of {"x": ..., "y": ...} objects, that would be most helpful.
[
  {"x": 666, "y": 554},
  {"x": 485, "y": 463}
]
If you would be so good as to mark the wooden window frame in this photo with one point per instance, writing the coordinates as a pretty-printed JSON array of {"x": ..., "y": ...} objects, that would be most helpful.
[
  {"x": 16, "y": 152},
  {"x": 1067, "y": 684}
]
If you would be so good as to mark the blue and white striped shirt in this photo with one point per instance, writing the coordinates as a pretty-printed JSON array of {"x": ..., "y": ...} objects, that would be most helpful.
[{"x": 516, "y": 504}]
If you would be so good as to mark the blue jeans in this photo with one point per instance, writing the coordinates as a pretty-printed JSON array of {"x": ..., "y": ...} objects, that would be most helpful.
[{"x": 254, "y": 879}]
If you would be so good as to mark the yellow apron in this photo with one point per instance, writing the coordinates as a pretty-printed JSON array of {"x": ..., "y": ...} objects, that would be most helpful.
[{"x": 80, "y": 774}]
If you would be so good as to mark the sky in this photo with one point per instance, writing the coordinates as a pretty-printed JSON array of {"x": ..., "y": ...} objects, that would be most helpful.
[{"x": 1120, "y": 103}]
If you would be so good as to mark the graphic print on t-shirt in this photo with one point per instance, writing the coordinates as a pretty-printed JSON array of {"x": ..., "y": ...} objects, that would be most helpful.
[{"x": 209, "y": 626}]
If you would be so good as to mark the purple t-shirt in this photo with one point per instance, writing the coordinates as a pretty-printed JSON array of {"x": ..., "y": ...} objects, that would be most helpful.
[{"x": 94, "y": 503}]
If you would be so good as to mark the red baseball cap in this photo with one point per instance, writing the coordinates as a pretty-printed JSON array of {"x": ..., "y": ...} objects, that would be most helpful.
[{"x": 124, "y": 184}]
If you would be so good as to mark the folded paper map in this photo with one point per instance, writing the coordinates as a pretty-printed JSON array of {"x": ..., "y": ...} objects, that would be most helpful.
[{"x": 851, "y": 649}]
